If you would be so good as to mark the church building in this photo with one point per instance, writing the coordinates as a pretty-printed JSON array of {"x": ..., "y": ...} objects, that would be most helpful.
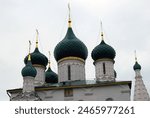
[{"x": 40, "y": 83}]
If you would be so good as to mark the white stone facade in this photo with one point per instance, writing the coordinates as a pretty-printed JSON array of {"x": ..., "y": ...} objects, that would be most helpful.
[
  {"x": 115, "y": 93},
  {"x": 76, "y": 71},
  {"x": 28, "y": 84},
  {"x": 40, "y": 77},
  {"x": 104, "y": 70}
]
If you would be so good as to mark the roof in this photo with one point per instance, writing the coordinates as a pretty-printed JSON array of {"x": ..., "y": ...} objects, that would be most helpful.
[
  {"x": 103, "y": 50},
  {"x": 37, "y": 58},
  {"x": 137, "y": 66},
  {"x": 29, "y": 70},
  {"x": 70, "y": 46},
  {"x": 50, "y": 76},
  {"x": 75, "y": 84}
]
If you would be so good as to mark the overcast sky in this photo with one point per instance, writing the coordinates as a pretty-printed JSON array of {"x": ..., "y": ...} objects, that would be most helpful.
[{"x": 126, "y": 25}]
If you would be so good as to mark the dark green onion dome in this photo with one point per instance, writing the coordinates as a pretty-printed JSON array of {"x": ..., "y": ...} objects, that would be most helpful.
[
  {"x": 29, "y": 70},
  {"x": 37, "y": 58},
  {"x": 137, "y": 66},
  {"x": 103, "y": 50},
  {"x": 70, "y": 46},
  {"x": 50, "y": 76}
]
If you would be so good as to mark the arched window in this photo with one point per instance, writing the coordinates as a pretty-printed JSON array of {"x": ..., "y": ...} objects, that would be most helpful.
[{"x": 109, "y": 99}]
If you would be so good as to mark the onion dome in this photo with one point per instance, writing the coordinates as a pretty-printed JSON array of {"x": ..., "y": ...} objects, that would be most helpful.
[
  {"x": 29, "y": 70},
  {"x": 103, "y": 50},
  {"x": 37, "y": 57},
  {"x": 70, "y": 46},
  {"x": 137, "y": 66},
  {"x": 50, "y": 76}
]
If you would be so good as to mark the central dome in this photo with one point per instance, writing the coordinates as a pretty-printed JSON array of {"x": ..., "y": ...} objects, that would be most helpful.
[
  {"x": 103, "y": 50},
  {"x": 70, "y": 46}
]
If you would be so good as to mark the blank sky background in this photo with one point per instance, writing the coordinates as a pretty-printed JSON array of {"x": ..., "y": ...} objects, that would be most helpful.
[{"x": 126, "y": 25}]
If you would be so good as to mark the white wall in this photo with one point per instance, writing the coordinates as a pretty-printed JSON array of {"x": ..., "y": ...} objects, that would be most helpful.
[
  {"x": 109, "y": 69},
  {"x": 40, "y": 76},
  {"x": 117, "y": 93},
  {"x": 77, "y": 70},
  {"x": 28, "y": 84},
  {"x": 140, "y": 91}
]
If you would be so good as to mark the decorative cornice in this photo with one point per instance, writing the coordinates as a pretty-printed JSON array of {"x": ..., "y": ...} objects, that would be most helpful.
[
  {"x": 42, "y": 88},
  {"x": 37, "y": 65},
  {"x": 71, "y": 58},
  {"x": 104, "y": 59}
]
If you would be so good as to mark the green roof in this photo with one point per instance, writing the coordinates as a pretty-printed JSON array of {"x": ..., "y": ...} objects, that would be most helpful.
[
  {"x": 70, "y": 46},
  {"x": 137, "y": 66},
  {"x": 29, "y": 70},
  {"x": 103, "y": 50},
  {"x": 50, "y": 76},
  {"x": 37, "y": 58}
]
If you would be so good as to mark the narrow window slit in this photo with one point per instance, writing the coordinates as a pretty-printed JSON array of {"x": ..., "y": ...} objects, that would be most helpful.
[
  {"x": 69, "y": 72},
  {"x": 104, "y": 68}
]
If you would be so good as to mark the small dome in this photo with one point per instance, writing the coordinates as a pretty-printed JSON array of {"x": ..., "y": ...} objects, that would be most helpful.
[
  {"x": 137, "y": 66},
  {"x": 103, "y": 50},
  {"x": 37, "y": 58},
  {"x": 70, "y": 46},
  {"x": 50, "y": 76},
  {"x": 29, "y": 70}
]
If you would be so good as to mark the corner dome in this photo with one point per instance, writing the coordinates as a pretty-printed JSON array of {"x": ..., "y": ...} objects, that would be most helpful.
[
  {"x": 103, "y": 50},
  {"x": 37, "y": 58},
  {"x": 137, "y": 66},
  {"x": 70, "y": 46},
  {"x": 29, "y": 70},
  {"x": 50, "y": 76}
]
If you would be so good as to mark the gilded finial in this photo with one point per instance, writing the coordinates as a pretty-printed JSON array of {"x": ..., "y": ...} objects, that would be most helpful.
[
  {"x": 29, "y": 56},
  {"x": 102, "y": 34},
  {"x": 49, "y": 59},
  {"x": 37, "y": 34},
  {"x": 69, "y": 20},
  {"x": 135, "y": 56}
]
